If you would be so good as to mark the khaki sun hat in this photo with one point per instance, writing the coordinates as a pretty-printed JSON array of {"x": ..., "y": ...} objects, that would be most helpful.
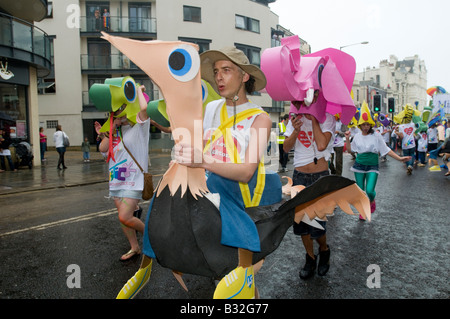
[{"x": 208, "y": 58}]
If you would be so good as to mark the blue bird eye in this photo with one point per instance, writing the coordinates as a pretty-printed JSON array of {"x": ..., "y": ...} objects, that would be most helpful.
[
  {"x": 184, "y": 63},
  {"x": 129, "y": 90},
  {"x": 204, "y": 91}
]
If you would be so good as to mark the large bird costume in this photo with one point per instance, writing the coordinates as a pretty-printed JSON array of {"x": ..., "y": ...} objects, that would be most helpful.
[{"x": 183, "y": 226}]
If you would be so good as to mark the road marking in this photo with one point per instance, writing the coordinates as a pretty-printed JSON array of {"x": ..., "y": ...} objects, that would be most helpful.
[
  {"x": 63, "y": 222},
  {"x": 102, "y": 213}
]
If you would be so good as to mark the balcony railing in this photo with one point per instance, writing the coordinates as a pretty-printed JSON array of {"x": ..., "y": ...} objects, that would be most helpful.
[
  {"x": 106, "y": 62},
  {"x": 118, "y": 24},
  {"x": 24, "y": 41}
]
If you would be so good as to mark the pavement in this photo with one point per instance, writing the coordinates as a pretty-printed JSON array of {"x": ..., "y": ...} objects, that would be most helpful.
[{"x": 78, "y": 172}]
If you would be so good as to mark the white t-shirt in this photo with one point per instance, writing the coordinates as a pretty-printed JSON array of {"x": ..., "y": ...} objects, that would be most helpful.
[
  {"x": 408, "y": 141},
  {"x": 432, "y": 135},
  {"x": 305, "y": 148},
  {"x": 386, "y": 136},
  {"x": 338, "y": 140},
  {"x": 371, "y": 143},
  {"x": 123, "y": 172},
  {"x": 422, "y": 143},
  {"x": 241, "y": 133}
]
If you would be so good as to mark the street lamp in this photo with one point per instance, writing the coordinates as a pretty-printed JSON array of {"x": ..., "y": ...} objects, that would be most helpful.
[{"x": 364, "y": 42}]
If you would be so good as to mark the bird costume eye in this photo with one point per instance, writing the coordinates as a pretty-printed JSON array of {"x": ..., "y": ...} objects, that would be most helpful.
[
  {"x": 204, "y": 92},
  {"x": 129, "y": 91},
  {"x": 184, "y": 63}
]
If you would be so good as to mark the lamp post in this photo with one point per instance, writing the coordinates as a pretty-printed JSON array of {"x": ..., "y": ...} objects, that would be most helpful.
[{"x": 349, "y": 45}]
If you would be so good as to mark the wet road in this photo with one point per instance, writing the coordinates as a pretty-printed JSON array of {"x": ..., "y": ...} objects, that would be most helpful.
[{"x": 403, "y": 253}]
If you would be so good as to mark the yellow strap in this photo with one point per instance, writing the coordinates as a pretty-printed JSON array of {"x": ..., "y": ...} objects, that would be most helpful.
[
  {"x": 227, "y": 122},
  {"x": 223, "y": 130}
]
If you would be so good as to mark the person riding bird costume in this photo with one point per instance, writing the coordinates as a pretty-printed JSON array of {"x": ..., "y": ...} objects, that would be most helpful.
[{"x": 183, "y": 229}]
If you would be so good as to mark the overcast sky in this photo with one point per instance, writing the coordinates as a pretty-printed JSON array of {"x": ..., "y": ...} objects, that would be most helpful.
[{"x": 403, "y": 28}]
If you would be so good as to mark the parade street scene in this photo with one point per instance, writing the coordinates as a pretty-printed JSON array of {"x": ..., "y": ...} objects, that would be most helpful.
[
  {"x": 216, "y": 158},
  {"x": 54, "y": 221}
]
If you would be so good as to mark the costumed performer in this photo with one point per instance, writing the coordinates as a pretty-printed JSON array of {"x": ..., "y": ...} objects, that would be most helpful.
[
  {"x": 313, "y": 143},
  {"x": 405, "y": 132},
  {"x": 369, "y": 145},
  {"x": 126, "y": 181},
  {"x": 236, "y": 133}
]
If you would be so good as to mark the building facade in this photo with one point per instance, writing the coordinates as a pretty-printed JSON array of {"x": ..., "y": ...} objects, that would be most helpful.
[
  {"x": 25, "y": 56},
  {"x": 82, "y": 58},
  {"x": 404, "y": 80}
]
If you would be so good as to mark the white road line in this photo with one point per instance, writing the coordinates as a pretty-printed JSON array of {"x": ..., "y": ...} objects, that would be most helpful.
[{"x": 63, "y": 222}]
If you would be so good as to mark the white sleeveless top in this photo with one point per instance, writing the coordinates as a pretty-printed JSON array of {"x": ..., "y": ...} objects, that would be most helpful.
[{"x": 240, "y": 131}]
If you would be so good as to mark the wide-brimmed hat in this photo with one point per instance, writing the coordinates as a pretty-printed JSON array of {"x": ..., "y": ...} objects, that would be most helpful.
[{"x": 234, "y": 55}]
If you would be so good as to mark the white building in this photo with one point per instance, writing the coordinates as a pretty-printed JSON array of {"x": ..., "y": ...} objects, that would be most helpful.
[
  {"x": 405, "y": 81},
  {"x": 82, "y": 58}
]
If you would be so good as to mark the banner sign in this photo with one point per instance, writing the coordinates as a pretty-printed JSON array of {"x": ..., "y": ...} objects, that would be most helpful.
[{"x": 441, "y": 100}]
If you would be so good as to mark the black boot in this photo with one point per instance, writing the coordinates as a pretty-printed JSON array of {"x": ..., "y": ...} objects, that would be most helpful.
[
  {"x": 308, "y": 269},
  {"x": 324, "y": 262}
]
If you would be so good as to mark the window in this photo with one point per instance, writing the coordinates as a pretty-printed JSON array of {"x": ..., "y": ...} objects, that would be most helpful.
[
  {"x": 253, "y": 53},
  {"x": 46, "y": 86},
  {"x": 99, "y": 54},
  {"x": 202, "y": 43},
  {"x": 97, "y": 16},
  {"x": 139, "y": 17},
  {"x": 192, "y": 14},
  {"x": 52, "y": 124},
  {"x": 247, "y": 23},
  {"x": 49, "y": 10}
]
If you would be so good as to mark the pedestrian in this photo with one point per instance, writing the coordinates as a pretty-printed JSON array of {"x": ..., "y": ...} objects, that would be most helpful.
[
  {"x": 433, "y": 138},
  {"x": 337, "y": 155},
  {"x": 5, "y": 153},
  {"x": 86, "y": 149},
  {"x": 58, "y": 139},
  {"x": 312, "y": 142},
  {"x": 422, "y": 147},
  {"x": 369, "y": 145},
  {"x": 394, "y": 143},
  {"x": 405, "y": 133},
  {"x": 353, "y": 131},
  {"x": 442, "y": 150},
  {"x": 446, "y": 155},
  {"x": 233, "y": 159},
  {"x": 283, "y": 155},
  {"x": 42, "y": 143},
  {"x": 385, "y": 132},
  {"x": 126, "y": 181}
]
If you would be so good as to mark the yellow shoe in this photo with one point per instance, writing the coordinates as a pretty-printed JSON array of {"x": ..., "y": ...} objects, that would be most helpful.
[
  {"x": 136, "y": 283},
  {"x": 435, "y": 168},
  {"x": 238, "y": 284}
]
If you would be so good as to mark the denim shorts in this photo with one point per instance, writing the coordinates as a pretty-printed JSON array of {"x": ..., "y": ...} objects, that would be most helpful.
[
  {"x": 125, "y": 193},
  {"x": 361, "y": 168},
  {"x": 306, "y": 180}
]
